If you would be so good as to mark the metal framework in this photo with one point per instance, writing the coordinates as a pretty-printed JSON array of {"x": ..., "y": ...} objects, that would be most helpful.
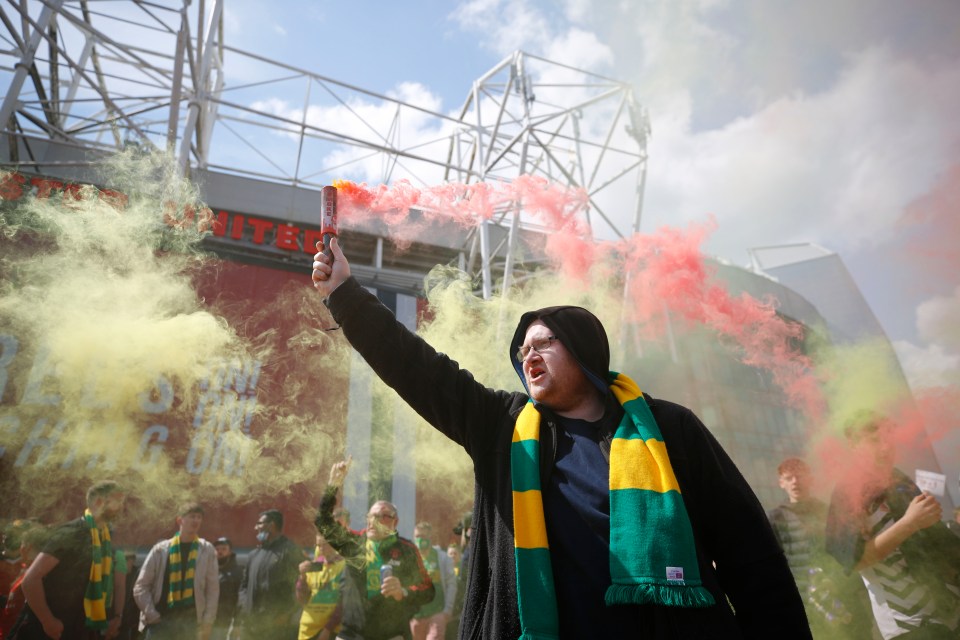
[{"x": 87, "y": 78}]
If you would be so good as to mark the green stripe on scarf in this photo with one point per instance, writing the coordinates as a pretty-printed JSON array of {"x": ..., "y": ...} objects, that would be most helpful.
[
  {"x": 653, "y": 558},
  {"x": 536, "y": 599},
  {"x": 101, "y": 575},
  {"x": 180, "y": 593}
]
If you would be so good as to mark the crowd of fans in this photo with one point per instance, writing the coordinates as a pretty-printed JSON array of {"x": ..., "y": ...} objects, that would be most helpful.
[
  {"x": 876, "y": 561},
  {"x": 70, "y": 581}
]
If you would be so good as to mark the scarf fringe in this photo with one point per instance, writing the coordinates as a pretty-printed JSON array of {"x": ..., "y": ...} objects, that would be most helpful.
[{"x": 666, "y": 595}]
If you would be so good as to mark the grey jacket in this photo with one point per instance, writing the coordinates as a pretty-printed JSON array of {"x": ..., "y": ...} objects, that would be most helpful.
[{"x": 206, "y": 583}]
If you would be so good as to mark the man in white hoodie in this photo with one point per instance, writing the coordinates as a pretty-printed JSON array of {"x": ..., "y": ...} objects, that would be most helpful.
[{"x": 179, "y": 585}]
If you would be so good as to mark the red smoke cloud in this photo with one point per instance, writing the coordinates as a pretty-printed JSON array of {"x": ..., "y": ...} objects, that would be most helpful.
[
  {"x": 669, "y": 273},
  {"x": 667, "y": 270},
  {"x": 931, "y": 227},
  {"x": 552, "y": 205},
  {"x": 915, "y": 423}
]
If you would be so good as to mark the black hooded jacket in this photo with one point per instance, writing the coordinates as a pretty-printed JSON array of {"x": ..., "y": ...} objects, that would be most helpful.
[{"x": 730, "y": 528}]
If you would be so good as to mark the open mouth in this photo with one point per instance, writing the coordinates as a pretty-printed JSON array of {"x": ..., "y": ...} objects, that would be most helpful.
[{"x": 535, "y": 373}]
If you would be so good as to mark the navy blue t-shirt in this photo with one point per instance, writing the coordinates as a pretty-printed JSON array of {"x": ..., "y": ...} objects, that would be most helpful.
[{"x": 577, "y": 512}]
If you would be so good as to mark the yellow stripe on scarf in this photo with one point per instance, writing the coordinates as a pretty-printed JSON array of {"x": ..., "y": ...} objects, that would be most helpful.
[
  {"x": 181, "y": 589},
  {"x": 95, "y": 610},
  {"x": 188, "y": 578},
  {"x": 528, "y": 424},
  {"x": 529, "y": 525},
  {"x": 624, "y": 389},
  {"x": 529, "y": 528},
  {"x": 639, "y": 464}
]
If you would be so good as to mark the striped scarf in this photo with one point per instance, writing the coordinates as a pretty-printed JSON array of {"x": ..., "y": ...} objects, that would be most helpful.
[
  {"x": 181, "y": 577},
  {"x": 653, "y": 558},
  {"x": 374, "y": 562},
  {"x": 100, "y": 583}
]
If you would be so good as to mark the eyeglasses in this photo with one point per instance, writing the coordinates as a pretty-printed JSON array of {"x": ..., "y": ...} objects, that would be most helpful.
[
  {"x": 381, "y": 516},
  {"x": 539, "y": 345}
]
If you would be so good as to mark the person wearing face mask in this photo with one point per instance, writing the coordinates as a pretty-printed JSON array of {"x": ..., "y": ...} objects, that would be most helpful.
[
  {"x": 267, "y": 598},
  {"x": 430, "y": 623},
  {"x": 385, "y": 582}
]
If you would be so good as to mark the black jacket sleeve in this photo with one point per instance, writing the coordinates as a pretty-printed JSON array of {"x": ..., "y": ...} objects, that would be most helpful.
[
  {"x": 346, "y": 543},
  {"x": 446, "y": 396}
]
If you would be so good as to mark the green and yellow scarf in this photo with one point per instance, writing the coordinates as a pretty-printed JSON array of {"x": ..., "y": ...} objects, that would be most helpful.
[
  {"x": 653, "y": 558},
  {"x": 374, "y": 561},
  {"x": 100, "y": 583},
  {"x": 180, "y": 593}
]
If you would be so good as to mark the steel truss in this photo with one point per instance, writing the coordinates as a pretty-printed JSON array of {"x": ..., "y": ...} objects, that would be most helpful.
[{"x": 90, "y": 77}]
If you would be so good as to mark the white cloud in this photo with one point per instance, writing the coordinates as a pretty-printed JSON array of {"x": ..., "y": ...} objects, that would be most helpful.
[
  {"x": 835, "y": 168},
  {"x": 936, "y": 362},
  {"x": 577, "y": 10},
  {"x": 579, "y": 48},
  {"x": 938, "y": 320},
  {"x": 676, "y": 47},
  {"x": 506, "y": 25},
  {"x": 835, "y": 165},
  {"x": 927, "y": 366},
  {"x": 381, "y": 123}
]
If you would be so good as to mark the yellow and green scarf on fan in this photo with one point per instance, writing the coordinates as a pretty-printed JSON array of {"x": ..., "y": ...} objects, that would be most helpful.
[
  {"x": 100, "y": 583},
  {"x": 653, "y": 559},
  {"x": 374, "y": 563},
  {"x": 182, "y": 572}
]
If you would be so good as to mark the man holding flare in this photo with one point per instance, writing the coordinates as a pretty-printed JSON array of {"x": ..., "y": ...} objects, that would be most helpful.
[{"x": 599, "y": 510}]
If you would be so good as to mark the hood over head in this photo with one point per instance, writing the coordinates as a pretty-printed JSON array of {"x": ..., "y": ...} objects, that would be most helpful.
[{"x": 581, "y": 333}]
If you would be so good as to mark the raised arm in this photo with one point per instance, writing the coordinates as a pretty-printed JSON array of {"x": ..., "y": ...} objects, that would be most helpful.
[
  {"x": 339, "y": 537},
  {"x": 445, "y": 395},
  {"x": 924, "y": 511}
]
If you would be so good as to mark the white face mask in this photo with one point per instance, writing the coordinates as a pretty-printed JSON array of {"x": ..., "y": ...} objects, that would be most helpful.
[{"x": 262, "y": 536}]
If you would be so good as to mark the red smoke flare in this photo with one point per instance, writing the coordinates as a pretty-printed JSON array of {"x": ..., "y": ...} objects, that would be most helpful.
[{"x": 667, "y": 269}]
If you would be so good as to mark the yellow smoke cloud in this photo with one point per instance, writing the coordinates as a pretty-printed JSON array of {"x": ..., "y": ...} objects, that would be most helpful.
[
  {"x": 113, "y": 367},
  {"x": 859, "y": 376}
]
